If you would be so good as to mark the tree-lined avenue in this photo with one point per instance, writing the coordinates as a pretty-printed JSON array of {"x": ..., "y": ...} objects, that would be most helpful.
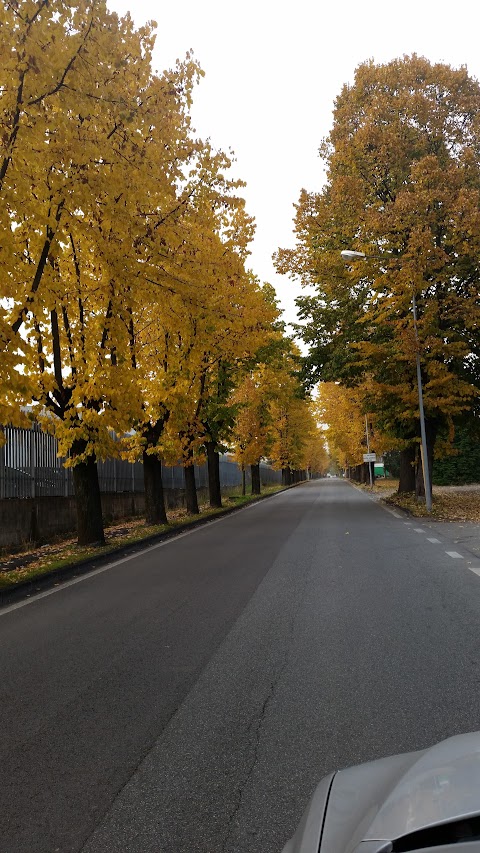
[{"x": 189, "y": 698}]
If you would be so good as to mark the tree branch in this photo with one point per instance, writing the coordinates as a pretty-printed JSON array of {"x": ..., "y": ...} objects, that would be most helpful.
[
  {"x": 41, "y": 360},
  {"x": 76, "y": 265},
  {"x": 41, "y": 7},
  {"x": 40, "y": 269},
  {"x": 57, "y": 356},
  {"x": 68, "y": 67},
  {"x": 108, "y": 315},
  {"x": 16, "y": 125},
  {"x": 131, "y": 340},
  {"x": 68, "y": 333}
]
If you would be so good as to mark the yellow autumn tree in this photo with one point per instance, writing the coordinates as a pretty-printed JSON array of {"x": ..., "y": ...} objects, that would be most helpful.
[
  {"x": 229, "y": 346},
  {"x": 251, "y": 436},
  {"x": 343, "y": 411},
  {"x": 292, "y": 418},
  {"x": 178, "y": 304},
  {"x": 316, "y": 456},
  {"x": 340, "y": 409},
  {"x": 85, "y": 126},
  {"x": 192, "y": 331}
]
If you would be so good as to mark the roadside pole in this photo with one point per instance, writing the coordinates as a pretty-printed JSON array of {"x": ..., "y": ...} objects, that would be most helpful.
[{"x": 368, "y": 454}]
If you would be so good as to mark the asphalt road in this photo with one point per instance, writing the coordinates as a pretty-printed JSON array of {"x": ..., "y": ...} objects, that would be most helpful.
[{"x": 190, "y": 697}]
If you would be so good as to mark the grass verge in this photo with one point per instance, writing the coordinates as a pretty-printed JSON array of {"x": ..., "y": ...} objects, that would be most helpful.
[{"x": 448, "y": 504}]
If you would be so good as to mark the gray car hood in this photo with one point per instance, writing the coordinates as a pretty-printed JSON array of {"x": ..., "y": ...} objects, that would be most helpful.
[{"x": 366, "y": 807}]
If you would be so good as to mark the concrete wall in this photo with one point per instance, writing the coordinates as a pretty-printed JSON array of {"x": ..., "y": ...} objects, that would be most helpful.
[{"x": 39, "y": 520}]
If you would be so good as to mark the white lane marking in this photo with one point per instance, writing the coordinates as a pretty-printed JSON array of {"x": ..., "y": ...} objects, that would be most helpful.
[
  {"x": 475, "y": 571},
  {"x": 418, "y": 530},
  {"x": 408, "y": 523},
  {"x": 454, "y": 554},
  {"x": 386, "y": 508},
  {"x": 87, "y": 575},
  {"x": 435, "y": 541}
]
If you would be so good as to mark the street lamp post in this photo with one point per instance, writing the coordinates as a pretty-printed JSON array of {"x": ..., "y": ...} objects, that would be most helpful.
[
  {"x": 368, "y": 451},
  {"x": 426, "y": 470},
  {"x": 350, "y": 255}
]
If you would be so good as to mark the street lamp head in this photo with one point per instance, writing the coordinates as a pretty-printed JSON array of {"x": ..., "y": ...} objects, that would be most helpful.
[{"x": 349, "y": 255}]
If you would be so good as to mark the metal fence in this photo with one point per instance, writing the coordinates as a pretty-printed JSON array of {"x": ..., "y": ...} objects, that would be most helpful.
[{"x": 30, "y": 467}]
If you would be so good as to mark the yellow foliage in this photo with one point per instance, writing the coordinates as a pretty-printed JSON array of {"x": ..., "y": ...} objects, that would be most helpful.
[
  {"x": 342, "y": 411},
  {"x": 123, "y": 281}
]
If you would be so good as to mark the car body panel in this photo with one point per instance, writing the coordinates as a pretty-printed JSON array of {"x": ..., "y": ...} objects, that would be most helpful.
[{"x": 372, "y": 804}]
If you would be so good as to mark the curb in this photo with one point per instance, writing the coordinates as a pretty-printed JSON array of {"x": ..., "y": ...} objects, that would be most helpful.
[{"x": 383, "y": 501}]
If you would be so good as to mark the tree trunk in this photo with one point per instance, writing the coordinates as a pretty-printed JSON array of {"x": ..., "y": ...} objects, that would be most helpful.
[
  {"x": 407, "y": 470},
  {"x": 255, "y": 471},
  {"x": 244, "y": 478},
  {"x": 190, "y": 490},
  {"x": 213, "y": 464},
  {"x": 88, "y": 503},
  {"x": 152, "y": 471},
  {"x": 155, "y": 512}
]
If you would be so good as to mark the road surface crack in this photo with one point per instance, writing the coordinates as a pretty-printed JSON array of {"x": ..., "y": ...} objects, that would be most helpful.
[
  {"x": 256, "y": 725},
  {"x": 258, "y": 721}
]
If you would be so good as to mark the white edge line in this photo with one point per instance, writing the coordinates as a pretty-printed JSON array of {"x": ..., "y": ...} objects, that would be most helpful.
[
  {"x": 90, "y": 574},
  {"x": 380, "y": 504},
  {"x": 454, "y": 554}
]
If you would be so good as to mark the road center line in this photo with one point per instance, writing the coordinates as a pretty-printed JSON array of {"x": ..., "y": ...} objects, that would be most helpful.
[
  {"x": 435, "y": 541},
  {"x": 454, "y": 554},
  {"x": 418, "y": 530},
  {"x": 475, "y": 571}
]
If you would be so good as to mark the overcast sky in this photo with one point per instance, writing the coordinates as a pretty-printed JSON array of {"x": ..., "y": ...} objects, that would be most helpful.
[{"x": 272, "y": 72}]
